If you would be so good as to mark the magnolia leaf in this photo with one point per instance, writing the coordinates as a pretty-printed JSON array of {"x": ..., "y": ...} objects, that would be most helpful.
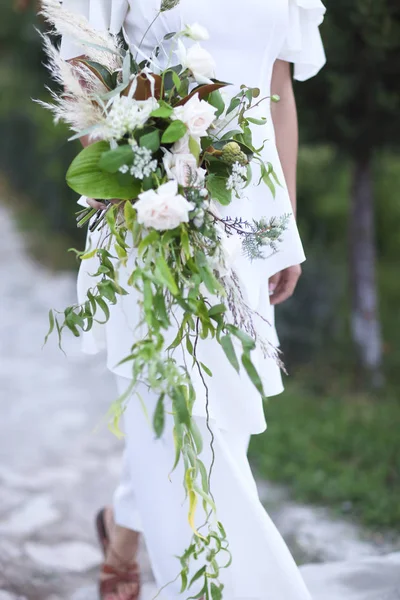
[
  {"x": 203, "y": 91},
  {"x": 174, "y": 132},
  {"x": 105, "y": 76},
  {"x": 87, "y": 178},
  {"x": 229, "y": 349},
  {"x": 252, "y": 372},
  {"x": 112, "y": 160}
]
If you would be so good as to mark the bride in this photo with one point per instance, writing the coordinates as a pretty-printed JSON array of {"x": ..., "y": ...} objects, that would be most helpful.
[{"x": 253, "y": 44}]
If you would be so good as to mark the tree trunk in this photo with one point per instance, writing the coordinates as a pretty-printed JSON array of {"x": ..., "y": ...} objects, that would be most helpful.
[{"x": 365, "y": 321}]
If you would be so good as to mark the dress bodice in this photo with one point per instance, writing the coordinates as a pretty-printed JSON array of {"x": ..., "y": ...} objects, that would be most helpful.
[{"x": 245, "y": 39}]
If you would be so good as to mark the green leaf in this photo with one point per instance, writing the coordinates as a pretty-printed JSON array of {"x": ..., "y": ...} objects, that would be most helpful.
[
  {"x": 235, "y": 102},
  {"x": 216, "y": 591},
  {"x": 217, "y": 309},
  {"x": 151, "y": 140},
  {"x": 194, "y": 148},
  {"x": 104, "y": 307},
  {"x": 268, "y": 181},
  {"x": 217, "y": 189},
  {"x": 216, "y": 100},
  {"x": 129, "y": 214},
  {"x": 107, "y": 290},
  {"x": 206, "y": 369},
  {"x": 180, "y": 407},
  {"x": 196, "y": 433},
  {"x": 229, "y": 349},
  {"x": 252, "y": 372},
  {"x": 197, "y": 575},
  {"x": 257, "y": 121},
  {"x": 176, "y": 80},
  {"x": 247, "y": 341},
  {"x": 112, "y": 160},
  {"x": 150, "y": 239},
  {"x": 87, "y": 178},
  {"x": 159, "y": 417},
  {"x": 165, "y": 275},
  {"x": 174, "y": 132},
  {"x": 163, "y": 112},
  {"x": 51, "y": 326}
]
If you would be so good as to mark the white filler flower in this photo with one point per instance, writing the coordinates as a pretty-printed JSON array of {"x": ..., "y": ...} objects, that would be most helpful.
[
  {"x": 126, "y": 115},
  {"x": 197, "y": 115},
  {"x": 163, "y": 208},
  {"x": 196, "y": 32},
  {"x": 237, "y": 179},
  {"x": 198, "y": 61}
]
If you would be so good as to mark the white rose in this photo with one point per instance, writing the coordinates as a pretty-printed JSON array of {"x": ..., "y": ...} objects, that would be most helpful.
[
  {"x": 182, "y": 145},
  {"x": 196, "y": 32},
  {"x": 197, "y": 115},
  {"x": 163, "y": 208},
  {"x": 181, "y": 167},
  {"x": 198, "y": 61}
]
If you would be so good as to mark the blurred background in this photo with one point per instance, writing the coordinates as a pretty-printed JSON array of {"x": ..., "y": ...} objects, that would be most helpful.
[{"x": 333, "y": 438}]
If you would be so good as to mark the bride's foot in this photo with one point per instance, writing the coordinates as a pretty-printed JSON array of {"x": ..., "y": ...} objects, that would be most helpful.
[{"x": 119, "y": 578}]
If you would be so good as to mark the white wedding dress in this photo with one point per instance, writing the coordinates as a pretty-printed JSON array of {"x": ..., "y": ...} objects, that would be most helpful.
[{"x": 246, "y": 38}]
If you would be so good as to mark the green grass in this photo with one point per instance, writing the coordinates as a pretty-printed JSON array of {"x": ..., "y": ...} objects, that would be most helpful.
[{"x": 336, "y": 449}]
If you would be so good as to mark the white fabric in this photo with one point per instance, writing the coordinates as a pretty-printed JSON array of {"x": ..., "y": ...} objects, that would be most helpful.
[
  {"x": 151, "y": 501},
  {"x": 303, "y": 44},
  {"x": 103, "y": 15},
  {"x": 245, "y": 52}
]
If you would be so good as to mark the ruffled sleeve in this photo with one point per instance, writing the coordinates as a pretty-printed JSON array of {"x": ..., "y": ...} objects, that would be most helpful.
[
  {"x": 103, "y": 15},
  {"x": 303, "y": 45}
]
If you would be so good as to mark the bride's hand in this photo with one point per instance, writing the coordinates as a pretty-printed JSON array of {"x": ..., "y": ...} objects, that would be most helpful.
[
  {"x": 98, "y": 204},
  {"x": 283, "y": 284}
]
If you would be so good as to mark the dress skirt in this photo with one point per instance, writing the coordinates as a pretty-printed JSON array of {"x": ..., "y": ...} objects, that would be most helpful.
[{"x": 151, "y": 499}]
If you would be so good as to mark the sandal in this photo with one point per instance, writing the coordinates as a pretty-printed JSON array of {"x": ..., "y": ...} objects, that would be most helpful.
[
  {"x": 111, "y": 585},
  {"x": 128, "y": 574}
]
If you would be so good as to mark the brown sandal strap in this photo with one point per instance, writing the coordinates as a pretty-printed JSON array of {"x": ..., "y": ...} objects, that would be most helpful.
[{"x": 110, "y": 586}]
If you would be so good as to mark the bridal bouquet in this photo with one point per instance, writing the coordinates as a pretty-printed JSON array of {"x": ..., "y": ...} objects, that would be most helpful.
[{"x": 168, "y": 150}]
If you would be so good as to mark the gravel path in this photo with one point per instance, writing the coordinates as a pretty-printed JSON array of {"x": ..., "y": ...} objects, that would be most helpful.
[{"x": 58, "y": 463}]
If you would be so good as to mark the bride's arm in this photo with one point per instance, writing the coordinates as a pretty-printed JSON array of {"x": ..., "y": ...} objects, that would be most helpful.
[{"x": 284, "y": 117}]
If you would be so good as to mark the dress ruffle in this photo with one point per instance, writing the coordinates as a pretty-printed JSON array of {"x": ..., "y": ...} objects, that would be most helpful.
[
  {"x": 303, "y": 45},
  {"x": 103, "y": 15}
]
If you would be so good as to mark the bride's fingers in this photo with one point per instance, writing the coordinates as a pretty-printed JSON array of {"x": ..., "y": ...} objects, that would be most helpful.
[{"x": 96, "y": 204}]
